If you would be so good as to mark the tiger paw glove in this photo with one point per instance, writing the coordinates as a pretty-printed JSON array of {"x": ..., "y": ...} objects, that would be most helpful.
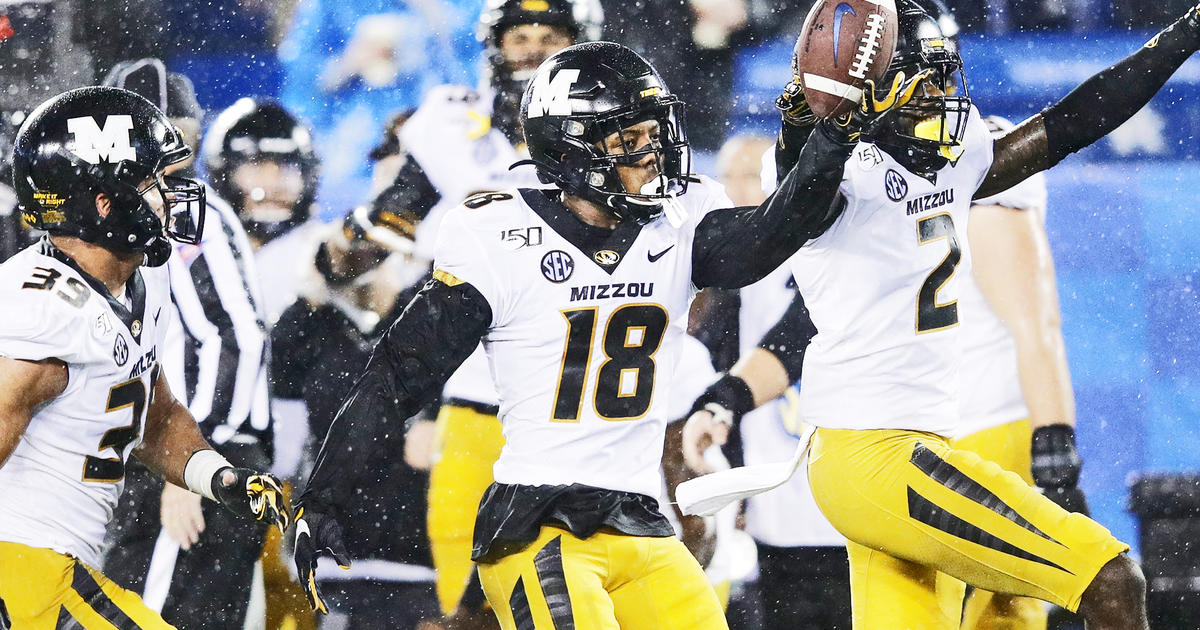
[
  {"x": 1056, "y": 467},
  {"x": 245, "y": 492},
  {"x": 252, "y": 494},
  {"x": 866, "y": 119},
  {"x": 794, "y": 107},
  {"x": 316, "y": 534}
]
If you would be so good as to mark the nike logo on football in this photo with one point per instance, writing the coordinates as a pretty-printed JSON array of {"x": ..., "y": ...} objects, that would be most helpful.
[
  {"x": 655, "y": 257},
  {"x": 839, "y": 13}
]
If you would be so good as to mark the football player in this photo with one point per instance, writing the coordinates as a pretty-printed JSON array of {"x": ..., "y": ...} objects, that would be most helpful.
[
  {"x": 84, "y": 316},
  {"x": 220, "y": 334},
  {"x": 460, "y": 142},
  {"x": 582, "y": 327},
  {"x": 881, "y": 376}
]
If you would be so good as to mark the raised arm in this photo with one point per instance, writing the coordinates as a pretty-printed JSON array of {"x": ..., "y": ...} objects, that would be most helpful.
[
  {"x": 437, "y": 332},
  {"x": 1094, "y": 109},
  {"x": 740, "y": 246}
]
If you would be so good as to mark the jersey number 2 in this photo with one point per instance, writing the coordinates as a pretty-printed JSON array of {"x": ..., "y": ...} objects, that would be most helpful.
[
  {"x": 111, "y": 470},
  {"x": 932, "y": 316},
  {"x": 625, "y": 380}
]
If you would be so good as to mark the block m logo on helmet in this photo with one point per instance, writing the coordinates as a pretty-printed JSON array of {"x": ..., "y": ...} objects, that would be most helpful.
[
  {"x": 551, "y": 96},
  {"x": 110, "y": 143}
]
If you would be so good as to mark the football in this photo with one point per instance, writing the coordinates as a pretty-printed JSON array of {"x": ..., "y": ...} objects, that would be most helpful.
[{"x": 841, "y": 45}]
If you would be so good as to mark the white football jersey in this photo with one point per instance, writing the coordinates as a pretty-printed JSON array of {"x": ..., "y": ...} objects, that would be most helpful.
[
  {"x": 991, "y": 385},
  {"x": 582, "y": 346},
  {"x": 882, "y": 286},
  {"x": 62, "y": 482},
  {"x": 451, "y": 137}
]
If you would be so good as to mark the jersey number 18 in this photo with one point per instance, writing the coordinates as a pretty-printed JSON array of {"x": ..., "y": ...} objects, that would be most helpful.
[{"x": 625, "y": 380}]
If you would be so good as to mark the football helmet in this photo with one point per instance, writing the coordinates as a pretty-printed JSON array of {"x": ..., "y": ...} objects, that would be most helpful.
[
  {"x": 586, "y": 93},
  {"x": 254, "y": 132},
  {"x": 105, "y": 140},
  {"x": 927, "y": 133},
  {"x": 583, "y": 20}
]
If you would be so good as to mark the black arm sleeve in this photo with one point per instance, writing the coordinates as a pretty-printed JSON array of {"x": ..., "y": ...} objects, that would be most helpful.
[
  {"x": 1105, "y": 101},
  {"x": 438, "y": 330},
  {"x": 410, "y": 192},
  {"x": 791, "y": 140},
  {"x": 788, "y": 339},
  {"x": 740, "y": 246}
]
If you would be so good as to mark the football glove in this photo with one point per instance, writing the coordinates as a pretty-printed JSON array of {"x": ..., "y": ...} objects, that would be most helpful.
[
  {"x": 317, "y": 534},
  {"x": 794, "y": 107},
  {"x": 727, "y": 399},
  {"x": 866, "y": 119},
  {"x": 1056, "y": 467},
  {"x": 254, "y": 495}
]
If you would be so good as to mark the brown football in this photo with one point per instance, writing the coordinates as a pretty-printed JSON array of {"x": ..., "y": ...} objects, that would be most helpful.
[{"x": 842, "y": 44}]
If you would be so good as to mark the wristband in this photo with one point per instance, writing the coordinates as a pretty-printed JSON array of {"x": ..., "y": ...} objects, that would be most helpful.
[{"x": 201, "y": 467}]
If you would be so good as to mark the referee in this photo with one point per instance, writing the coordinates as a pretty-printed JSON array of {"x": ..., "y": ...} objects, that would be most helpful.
[{"x": 163, "y": 540}]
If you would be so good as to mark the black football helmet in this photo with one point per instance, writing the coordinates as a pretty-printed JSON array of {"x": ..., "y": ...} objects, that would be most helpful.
[
  {"x": 586, "y": 93},
  {"x": 927, "y": 133},
  {"x": 583, "y": 20},
  {"x": 105, "y": 140},
  {"x": 254, "y": 130}
]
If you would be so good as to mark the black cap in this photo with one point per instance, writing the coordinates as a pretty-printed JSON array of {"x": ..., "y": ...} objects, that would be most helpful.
[{"x": 149, "y": 78}]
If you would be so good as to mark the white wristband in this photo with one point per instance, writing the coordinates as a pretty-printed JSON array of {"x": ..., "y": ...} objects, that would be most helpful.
[{"x": 200, "y": 469}]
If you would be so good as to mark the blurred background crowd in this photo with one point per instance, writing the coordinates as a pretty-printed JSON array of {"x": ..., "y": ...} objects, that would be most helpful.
[{"x": 340, "y": 78}]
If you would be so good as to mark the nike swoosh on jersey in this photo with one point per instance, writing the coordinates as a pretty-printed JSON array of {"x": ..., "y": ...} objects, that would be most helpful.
[
  {"x": 839, "y": 13},
  {"x": 655, "y": 257}
]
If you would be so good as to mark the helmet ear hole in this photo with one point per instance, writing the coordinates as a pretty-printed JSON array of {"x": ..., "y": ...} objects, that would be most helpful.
[{"x": 103, "y": 205}]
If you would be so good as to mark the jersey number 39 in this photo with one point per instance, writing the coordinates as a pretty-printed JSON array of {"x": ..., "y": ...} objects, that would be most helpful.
[{"x": 625, "y": 379}]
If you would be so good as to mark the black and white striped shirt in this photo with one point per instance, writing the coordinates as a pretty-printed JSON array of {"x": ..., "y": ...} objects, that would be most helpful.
[{"x": 217, "y": 353}]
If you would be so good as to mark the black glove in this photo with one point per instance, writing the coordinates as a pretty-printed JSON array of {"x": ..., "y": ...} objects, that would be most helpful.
[
  {"x": 1192, "y": 19},
  {"x": 1056, "y": 467},
  {"x": 728, "y": 399},
  {"x": 794, "y": 107},
  {"x": 253, "y": 495},
  {"x": 317, "y": 534},
  {"x": 867, "y": 118}
]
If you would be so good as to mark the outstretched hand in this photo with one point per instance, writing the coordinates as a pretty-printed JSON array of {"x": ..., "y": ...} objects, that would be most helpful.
[
  {"x": 701, "y": 431},
  {"x": 316, "y": 535},
  {"x": 872, "y": 110}
]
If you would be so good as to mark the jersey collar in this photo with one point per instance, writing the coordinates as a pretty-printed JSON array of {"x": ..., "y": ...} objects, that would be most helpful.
[
  {"x": 133, "y": 318},
  {"x": 596, "y": 243}
]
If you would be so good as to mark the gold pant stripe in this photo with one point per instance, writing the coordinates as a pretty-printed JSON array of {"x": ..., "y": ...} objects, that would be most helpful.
[
  {"x": 931, "y": 514},
  {"x": 946, "y": 474},
  {"x": 85, "y": 585},
  {"x": 44, "y": 590},
  {"x": 614, "y": 581}
]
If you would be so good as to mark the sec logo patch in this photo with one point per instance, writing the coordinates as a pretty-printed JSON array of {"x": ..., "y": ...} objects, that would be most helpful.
[
  {"x": 120, "y": 351},
  {"x": 557, "y": 266},
  {"x": 896, "y": 185}
]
